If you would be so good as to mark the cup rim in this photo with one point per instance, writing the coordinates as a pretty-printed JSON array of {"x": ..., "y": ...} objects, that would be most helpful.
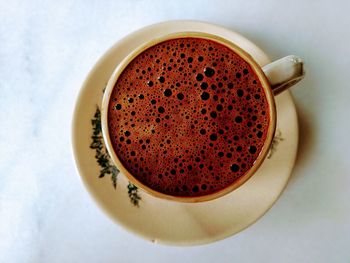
[{"x": 189, "y": 34}]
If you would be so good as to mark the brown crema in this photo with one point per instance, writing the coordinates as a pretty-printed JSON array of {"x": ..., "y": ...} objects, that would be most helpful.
[{"x": 188, "y": 117}]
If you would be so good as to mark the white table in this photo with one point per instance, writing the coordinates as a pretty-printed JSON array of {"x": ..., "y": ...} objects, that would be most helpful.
[{"x": 47, "y": 49}]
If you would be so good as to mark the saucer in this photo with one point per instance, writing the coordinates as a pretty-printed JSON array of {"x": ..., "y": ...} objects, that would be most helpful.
[{"x": 163, "y": 221}]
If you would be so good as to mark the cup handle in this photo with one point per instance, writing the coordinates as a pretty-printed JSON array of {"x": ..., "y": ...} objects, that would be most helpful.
[{"x": 284, "y": 73}]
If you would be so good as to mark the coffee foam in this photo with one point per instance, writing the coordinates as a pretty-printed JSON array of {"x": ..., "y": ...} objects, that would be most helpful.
[{"x": 188, "y": 117}]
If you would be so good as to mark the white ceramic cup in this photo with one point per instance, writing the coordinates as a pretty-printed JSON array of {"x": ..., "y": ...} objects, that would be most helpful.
[{"x": 274, "y": 77}]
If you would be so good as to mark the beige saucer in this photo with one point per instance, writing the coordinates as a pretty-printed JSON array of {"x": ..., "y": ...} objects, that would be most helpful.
[{"x": 166, "y": 221}]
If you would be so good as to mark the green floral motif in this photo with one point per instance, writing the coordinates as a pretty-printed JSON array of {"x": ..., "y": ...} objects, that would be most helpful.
[
  {"x": 103, "y": 158},
  {"x": 276, "y": 140},
  {"x": 133, "y": 194}
]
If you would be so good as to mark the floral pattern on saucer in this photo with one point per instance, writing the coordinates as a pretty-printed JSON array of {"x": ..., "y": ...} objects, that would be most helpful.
[{"x": 104, "y": 161}]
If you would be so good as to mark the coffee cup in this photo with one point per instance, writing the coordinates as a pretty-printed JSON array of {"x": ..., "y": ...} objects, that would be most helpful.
[{"x": 159, "y": 93}]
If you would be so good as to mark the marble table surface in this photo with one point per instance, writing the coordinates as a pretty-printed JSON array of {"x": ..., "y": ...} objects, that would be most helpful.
[{"x": 46, "y": 50}]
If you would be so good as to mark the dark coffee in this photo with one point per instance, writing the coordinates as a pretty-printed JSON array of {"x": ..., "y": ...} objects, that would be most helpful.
[{"x": 188, "y": 117}]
